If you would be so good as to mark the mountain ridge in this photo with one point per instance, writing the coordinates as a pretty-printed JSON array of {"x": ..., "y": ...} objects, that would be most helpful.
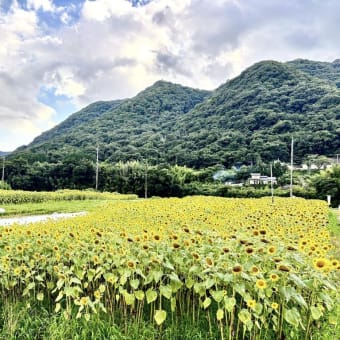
[{"x": 250, "y": 117}]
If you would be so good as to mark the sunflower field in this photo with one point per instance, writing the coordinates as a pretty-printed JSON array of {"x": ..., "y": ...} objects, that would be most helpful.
[{"x": 249, "y": 268}]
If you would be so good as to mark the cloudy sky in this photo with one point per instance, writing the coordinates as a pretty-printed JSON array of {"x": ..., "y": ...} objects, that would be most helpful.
[{"x": 56, "y": 56}]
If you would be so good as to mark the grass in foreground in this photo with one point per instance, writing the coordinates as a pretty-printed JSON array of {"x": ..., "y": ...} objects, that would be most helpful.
[
  {"x": 34, "y": 321},
  {"x": 18, "y": 321}
]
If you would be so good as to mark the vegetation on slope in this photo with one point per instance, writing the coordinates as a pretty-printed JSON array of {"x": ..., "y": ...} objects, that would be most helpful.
[{"x": 247, "y": 120}]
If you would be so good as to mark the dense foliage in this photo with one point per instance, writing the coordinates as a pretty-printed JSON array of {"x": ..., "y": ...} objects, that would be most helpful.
[
  {"x": 323, "y": 70},
  {"x": 328, "y": 183}
]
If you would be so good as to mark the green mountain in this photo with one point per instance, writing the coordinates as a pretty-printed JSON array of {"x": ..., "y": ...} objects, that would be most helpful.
[
  {"x": 322, "y": 70},
  {"x": 249, "y": 118},
  {"x": 124, "y": 130},
  {"x": 77, "y": 121},
  {"x": 255, "y": 115}
]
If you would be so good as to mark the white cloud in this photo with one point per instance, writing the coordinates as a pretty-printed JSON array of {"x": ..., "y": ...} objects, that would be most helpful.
[
  {"x": 103, "y": 9},
  {"x": 45, "y": 5},
  {"x": 113, "y": 50}
]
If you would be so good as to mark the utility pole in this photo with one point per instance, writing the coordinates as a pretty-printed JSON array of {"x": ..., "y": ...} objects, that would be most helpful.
[
  {"x": 271, "y": 181},
  {"x": 291, "y": 167},
  {"x": 146, "y": 180},
  {"x": 97, "y": 168},
  {"x": 3, "y": 170}
]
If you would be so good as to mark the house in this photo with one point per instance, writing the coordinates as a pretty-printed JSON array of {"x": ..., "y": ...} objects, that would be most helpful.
[{"x": 256, "y": 178}]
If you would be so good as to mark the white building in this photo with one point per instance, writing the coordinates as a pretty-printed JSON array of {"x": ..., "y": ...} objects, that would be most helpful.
[{"x": 256, "y": 178}]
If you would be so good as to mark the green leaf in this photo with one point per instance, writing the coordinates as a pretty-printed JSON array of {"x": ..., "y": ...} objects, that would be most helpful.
[
  {"x": 219, "y": 314},
  {"x": 217, "y": 295},
  {"x": 151, "y": 295},
  {"x": 60, "y": 296},
  {"x": 75, "y": 280},
  {"x": 60, "y": 283},
  {"x": 174, "y": 277},
  {"x": 327, "y": 300},
  {"x": 168, "y": 265},
  {"x": 31, "y": 285},
  {"x": 300, "y": 300},
  {"x": 166, "y": 291},
  {"x": 160, "y": 316},
  {"x": 206, "y": 303},
  {"x": 40, "y": 296},
  {"x": 123, "y": 279},
  {"x": 90, "y": 274},
  {"x": 209, "y": 283},
  {"x": 157, "y": 275},
  {"x": 287, "y": 292},
  {"x": 139, "y": 294},
  {"x": 194, "y": 269},
  {"x": 292, "y": 316},
  {"x": 240, "y": 288},
  {"x": 110, "y": 278},
  {"x": 297, "y": 281},
  {"x": 57, "y": 307},
  {"x": 134, "y": 283},
  {"x": 129, "y": 298},
  {"x": 316, "y": 312},
  {"x": 229, "y": 303},
  {"x": 39, "y": 278},
  {"x": 258, "y": 308},
  {"x": 199, "y": 289},
  {"x": 244, "y": 316},
  {"x": 189, "y": 282}
]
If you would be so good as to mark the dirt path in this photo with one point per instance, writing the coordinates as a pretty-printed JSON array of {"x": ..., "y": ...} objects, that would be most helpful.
[{"x": 38, "y": 218}]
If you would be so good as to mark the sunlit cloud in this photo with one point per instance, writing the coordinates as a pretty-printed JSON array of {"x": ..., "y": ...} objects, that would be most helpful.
[{"x": 83, "y": 51}]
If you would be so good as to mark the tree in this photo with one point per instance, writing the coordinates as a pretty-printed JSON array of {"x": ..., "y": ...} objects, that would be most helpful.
[{"x": 328, "y": 183}]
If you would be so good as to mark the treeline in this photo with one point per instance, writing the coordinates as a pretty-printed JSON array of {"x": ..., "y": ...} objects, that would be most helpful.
[{"x": 147, "y": 180}]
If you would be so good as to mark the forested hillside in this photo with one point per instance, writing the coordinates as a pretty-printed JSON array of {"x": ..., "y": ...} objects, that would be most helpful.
[
  {"x": 322, "y": 70},
  {"x": 132, "y": 129},
  {"x": 249, "y": 119},
  {"x": 255, "y": 115}
]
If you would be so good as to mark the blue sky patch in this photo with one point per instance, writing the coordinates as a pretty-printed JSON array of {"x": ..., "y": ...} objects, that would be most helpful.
[{"x": 62, "y": 104}]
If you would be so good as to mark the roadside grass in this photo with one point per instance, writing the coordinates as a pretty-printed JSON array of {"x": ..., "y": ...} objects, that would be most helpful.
[{"x": 50, "y": 207}]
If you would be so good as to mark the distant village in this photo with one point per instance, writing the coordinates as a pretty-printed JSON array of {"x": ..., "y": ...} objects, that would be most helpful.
[{"x": 256, "y": 178}]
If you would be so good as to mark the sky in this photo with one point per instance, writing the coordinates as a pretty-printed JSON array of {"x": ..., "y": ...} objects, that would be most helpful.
[{"x": 57, "y": 56}]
